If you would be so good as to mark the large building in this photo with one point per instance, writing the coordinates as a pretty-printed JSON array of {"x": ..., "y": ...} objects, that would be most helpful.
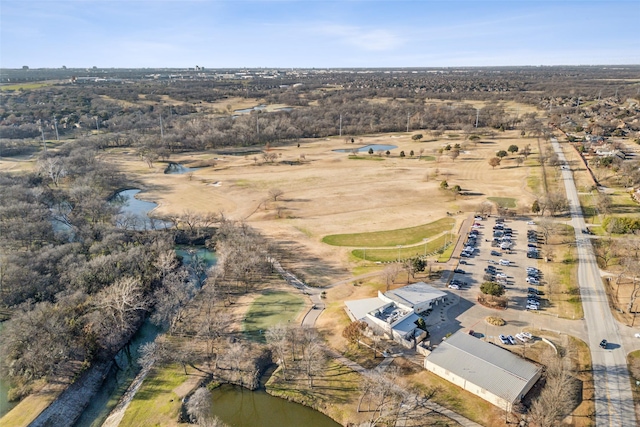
[
  {"x": 486, "y": 370},
  {"x": 396, "y": 313}
]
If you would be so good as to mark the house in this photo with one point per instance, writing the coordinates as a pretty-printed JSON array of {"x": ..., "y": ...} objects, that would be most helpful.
[
  {"x": 395, "y": 313},
  {"x": 486, "y": 370}
]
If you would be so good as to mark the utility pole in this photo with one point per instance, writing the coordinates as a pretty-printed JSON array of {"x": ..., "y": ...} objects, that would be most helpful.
[
  {"x": 97, "y": 124},
  {"x": 340, "y": 124},
  {"x": 477, "y": 116},
  {"x": 407, "y": 122},
  {"x": 55, "y": 124},
  {"x": 44, "y": 144},
  {"x": 161, "y": 128}
]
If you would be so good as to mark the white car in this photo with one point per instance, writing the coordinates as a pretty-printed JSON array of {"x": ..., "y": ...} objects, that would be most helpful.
[
  {"x": 531, "y": 307},
  {"x": 531, "y": 223},
  {"x": 532, "y": 280},
  {"x": 637, "y": 335},
  {"x": 503, "y": 262},
  {"x": 452, "y": 286}
]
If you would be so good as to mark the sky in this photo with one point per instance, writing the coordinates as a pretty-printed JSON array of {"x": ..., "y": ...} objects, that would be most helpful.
[{"x": 317, "y": 33}]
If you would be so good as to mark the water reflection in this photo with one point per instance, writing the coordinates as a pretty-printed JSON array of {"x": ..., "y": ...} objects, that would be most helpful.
[
  {"x": 240, "y": 407},
  {"x": 134, "y": 212}
]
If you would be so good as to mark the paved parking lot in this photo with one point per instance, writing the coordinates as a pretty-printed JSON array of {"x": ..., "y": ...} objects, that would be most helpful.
[{"x": 474, "y": 266}]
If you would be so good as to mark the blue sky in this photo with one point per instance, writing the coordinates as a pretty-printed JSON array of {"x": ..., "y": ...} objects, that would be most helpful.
[{"x": 317, "y": 33}]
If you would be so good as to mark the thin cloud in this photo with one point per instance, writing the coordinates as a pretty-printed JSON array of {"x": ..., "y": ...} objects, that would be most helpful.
[{"x": 371, "y": 40}]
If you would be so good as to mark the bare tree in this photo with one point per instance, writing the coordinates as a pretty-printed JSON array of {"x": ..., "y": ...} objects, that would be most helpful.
[
  {"x": 558, "y": 396},
  {"x": 390, "y": 273},
  {"x": 494, "y": 161},
  {"x": 122, "y": 301},
  {"x": 278, "y": 340},
  {"x": 547, "y": 227},
  {"x": 171, "y": 299},
  {"x": 274, "y": 193},
  {"x": 199, "y": 405}
]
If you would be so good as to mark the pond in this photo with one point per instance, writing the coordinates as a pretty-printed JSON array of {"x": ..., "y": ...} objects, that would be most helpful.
[
  {"x": 374, "y": 147},
  {"x": 248, "y": 110},
  {"x": 178, "y": 169},
  {"x": 134, "y": 213},
  {"x": 239, "y": 407}
]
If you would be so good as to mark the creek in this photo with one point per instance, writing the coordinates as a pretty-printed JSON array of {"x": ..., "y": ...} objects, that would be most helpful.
[{"x": 5, "y": 405}]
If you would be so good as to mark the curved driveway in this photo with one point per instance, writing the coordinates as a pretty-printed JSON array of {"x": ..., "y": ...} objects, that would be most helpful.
[{"x": 614, "y": 400}]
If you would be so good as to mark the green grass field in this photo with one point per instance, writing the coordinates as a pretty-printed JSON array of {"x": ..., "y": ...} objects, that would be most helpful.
[
  {"x": 386, "y": 255},
  {"x": 402, "y": 236},
  {"x": 505, "y": 202},
  {"x": 270, "y": 309},
  {"x": 155, "y": 402}
]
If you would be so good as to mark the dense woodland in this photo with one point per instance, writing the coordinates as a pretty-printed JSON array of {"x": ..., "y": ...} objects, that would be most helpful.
[{"x": 77, "y": 283}]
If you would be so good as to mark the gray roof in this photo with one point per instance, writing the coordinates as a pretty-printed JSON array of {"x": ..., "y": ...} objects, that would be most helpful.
[
  {"x": 486, "y": 365},
  {"x": 407, "y": 325},
  {"x": 414, "y": 294},
  {"x": 360, "y": 307}
]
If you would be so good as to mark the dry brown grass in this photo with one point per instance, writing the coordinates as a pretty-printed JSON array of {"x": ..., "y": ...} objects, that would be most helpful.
[{"x": 329, "y": 193}]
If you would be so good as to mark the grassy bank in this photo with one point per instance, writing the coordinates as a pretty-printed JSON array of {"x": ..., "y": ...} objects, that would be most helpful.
[
  {"x": 402, "y": 236},
  {"x": 156, "y": 403},
  {"x": 388, "y": 255}
]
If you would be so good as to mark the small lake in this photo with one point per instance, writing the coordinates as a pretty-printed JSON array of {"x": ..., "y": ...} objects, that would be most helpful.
[
  {"x": 374, "y": 147},
  {"x": 239, "y": 407},
  {"x": 178, "y": 169},
  {"x": 134, "y": 213}
]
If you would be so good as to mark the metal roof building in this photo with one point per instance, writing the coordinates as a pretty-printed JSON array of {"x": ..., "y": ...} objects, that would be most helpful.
[
  {"x": 484, "y": 369},
  {"x": 419, "y": 296}
]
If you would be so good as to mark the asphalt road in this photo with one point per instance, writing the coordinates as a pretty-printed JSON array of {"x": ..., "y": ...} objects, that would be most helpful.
[{"x": 614, "y": 400}]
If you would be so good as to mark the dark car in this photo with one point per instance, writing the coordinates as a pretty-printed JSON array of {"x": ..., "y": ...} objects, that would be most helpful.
[
  {"x": 496, "y": 253},
  {"x": 603, "y": 344},
  {"x": 459, "y": 271}
]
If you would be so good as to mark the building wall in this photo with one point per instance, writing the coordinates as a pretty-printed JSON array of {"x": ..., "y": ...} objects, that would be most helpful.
[{"x": 469, "y": 386}]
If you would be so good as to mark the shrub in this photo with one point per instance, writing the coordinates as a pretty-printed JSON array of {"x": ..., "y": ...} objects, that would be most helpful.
[{"x": 495, "y": 321}]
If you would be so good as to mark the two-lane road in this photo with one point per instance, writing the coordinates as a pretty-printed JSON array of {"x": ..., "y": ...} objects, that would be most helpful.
[{"x": 614, "y": 400}]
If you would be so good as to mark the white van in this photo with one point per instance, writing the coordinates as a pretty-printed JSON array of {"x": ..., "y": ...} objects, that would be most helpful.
[{"x": 503, "y": 262}]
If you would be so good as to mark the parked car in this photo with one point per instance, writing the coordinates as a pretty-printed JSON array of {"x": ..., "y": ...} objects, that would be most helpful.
[
  {"x": 463, "y": 262},
  {"x": 459, "y": 271},
  {"x": 503, "y": 262},
  {"x": 532, "y": 291},
  {"x": 603, "y": 344},
  {"x": 532, "y": 270},
  {"x": 503, "y": 339},
  {"x": 533, "y": 280},
  {"x": 533, "y": 297},
  {"x": 479, "y": 218},
  {"x": 531, "y": 307},
  {"x": 533, "y": 302},
  {"x": 531, "y": 223},
  {"x": 511, "y": 340},
  {"x": 496, "y": 253},
  {"x": 452, "y": 286}
]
